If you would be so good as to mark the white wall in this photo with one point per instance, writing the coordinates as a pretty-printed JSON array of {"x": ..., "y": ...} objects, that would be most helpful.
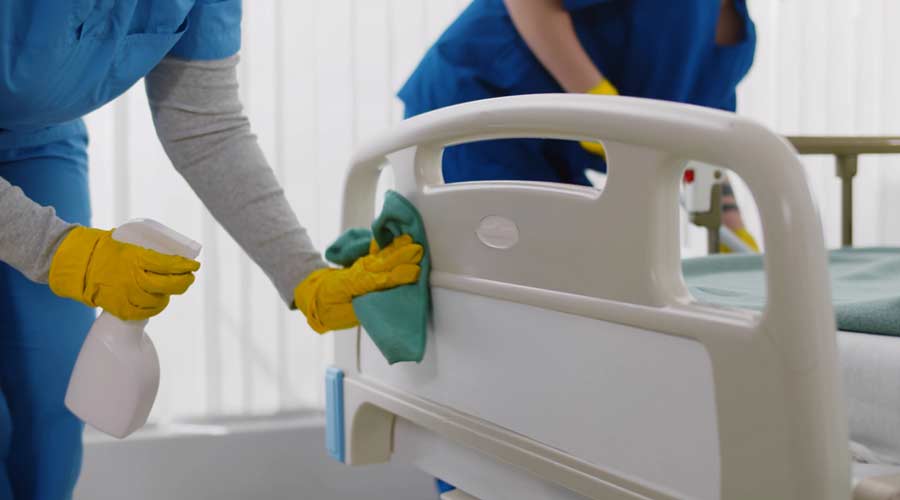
[{"x": 318, "y": 76}]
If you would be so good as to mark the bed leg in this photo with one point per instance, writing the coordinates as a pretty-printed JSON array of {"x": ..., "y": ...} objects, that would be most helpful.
[
  {"x": 711, "y": 220},
  {"x": 846, "y": 171}
]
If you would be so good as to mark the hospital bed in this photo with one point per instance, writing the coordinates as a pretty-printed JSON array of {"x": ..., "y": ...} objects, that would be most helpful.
[{"x": 566, "y": 358}]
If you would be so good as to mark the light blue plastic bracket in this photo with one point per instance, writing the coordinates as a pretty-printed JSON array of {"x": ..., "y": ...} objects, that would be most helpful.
[{"x": 334, "y": 413}]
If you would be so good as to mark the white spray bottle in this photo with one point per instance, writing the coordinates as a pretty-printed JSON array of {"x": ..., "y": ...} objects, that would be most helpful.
[{"x": 116, "y": 376}]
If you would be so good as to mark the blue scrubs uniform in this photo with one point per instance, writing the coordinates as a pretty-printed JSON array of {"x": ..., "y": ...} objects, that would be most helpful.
[
  {"x": 658, "y": 49},
  {"x": 60, "y": 59}
]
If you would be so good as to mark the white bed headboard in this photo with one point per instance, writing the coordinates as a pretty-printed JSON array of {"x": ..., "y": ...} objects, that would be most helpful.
[{"x": 615, "y": 256}]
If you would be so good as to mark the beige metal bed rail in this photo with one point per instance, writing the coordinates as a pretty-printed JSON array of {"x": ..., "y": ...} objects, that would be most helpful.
[{"x": 846, "y": 151}]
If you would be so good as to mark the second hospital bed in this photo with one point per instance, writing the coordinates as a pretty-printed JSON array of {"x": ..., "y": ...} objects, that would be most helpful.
[{"x": 566, "y": 358}]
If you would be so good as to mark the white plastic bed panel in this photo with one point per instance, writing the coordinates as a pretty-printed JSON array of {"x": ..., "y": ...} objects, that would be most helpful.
[
  {"x": 574, "y": 351},
  {"x": 468, "y": 470},
  {"x": 512, "y": 364}
]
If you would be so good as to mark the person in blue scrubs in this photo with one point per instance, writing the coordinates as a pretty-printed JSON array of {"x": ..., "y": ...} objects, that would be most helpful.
[
  {"x": 691, "y": 51},
  {"x": 60, "y": 59}
]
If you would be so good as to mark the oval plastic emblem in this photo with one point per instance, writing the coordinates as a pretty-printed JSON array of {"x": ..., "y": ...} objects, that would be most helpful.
[{"x": 498, "y": 232}]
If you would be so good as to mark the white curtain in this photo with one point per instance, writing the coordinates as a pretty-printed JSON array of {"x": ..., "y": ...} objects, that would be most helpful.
[
  {"x": 831, "y": 67},
  {"x": 318, "y": 76}
]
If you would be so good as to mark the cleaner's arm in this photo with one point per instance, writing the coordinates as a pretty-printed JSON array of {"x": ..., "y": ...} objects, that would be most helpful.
[
  {"x": 546, "y": 26},
  {"x": 200, "y": 121},
  {"x": 29, "y": 233},
  {"x": 86, "y": 264}
]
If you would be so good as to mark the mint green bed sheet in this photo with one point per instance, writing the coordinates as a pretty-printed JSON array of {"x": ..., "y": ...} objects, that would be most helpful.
[{"x": 865, "y": 285}]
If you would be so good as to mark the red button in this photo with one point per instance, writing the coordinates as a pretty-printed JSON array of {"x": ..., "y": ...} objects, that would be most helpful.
[{"x": 689, "y": 176}]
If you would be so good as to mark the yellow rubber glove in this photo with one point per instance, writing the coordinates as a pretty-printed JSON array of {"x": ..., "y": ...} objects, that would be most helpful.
[
  {"x": 602, "y": 88},
  {"x": 745, "y": 236},
  {"x": 325, "y": 295},
  {"x": 128, "y": 281}
]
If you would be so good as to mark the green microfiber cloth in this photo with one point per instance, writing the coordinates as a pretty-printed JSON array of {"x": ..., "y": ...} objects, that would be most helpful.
[
  {"x": 865, "y": 285},
  {"x": 396, "y": 319}
]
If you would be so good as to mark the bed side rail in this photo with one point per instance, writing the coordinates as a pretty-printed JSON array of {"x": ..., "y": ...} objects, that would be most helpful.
[{"x": 616, "y": 256}]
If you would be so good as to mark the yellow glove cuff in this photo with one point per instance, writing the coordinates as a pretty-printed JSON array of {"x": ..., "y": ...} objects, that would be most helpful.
[
  {"x": 747, "y": 238},
  {"x": 69, "y": 266},
  {"x": 744, "y": 236},
  {"x": 305, "y": 299},
  {"x": 604, "y": 88}
]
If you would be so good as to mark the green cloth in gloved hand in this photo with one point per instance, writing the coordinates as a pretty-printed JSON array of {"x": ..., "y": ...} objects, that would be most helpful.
[
  {"x": 352, "y": 245},
  {"x": 396, "y": 319}
]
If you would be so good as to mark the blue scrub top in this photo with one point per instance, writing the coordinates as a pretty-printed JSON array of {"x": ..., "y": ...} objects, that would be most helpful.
[
  {"x": 658, "y": 49},
  {"x": 61, "y": 59}
]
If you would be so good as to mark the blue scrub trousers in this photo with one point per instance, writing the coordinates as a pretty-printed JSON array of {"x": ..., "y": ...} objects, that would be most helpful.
[
  {"x": 40, "y": 337},
  {"x": 541, "y": 160}
]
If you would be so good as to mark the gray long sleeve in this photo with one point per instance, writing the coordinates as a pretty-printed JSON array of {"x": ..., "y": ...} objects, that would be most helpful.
[
  {"x": 200, "y": 122},
  {"x": 29, "y": 233}
]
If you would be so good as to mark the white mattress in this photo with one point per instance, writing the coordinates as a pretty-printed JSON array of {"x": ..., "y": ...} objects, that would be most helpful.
[
  {"x": 871, "y": 373},
  {"x": 862, "y": 471}
]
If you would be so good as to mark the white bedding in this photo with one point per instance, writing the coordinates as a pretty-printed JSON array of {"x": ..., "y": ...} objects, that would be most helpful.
[
  {"x": 862, "y": 471},
  {"x": 871, "y": 373}
]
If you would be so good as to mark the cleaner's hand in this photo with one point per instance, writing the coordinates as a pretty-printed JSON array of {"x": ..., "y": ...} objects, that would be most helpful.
[
  {"x": 128, "y": 281},
  {"x": 744, "y": 236},
  {"x": 325, "y": 296},
  {"x": 602, "y": 88},
  {"x": 732, "y": 219}
]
